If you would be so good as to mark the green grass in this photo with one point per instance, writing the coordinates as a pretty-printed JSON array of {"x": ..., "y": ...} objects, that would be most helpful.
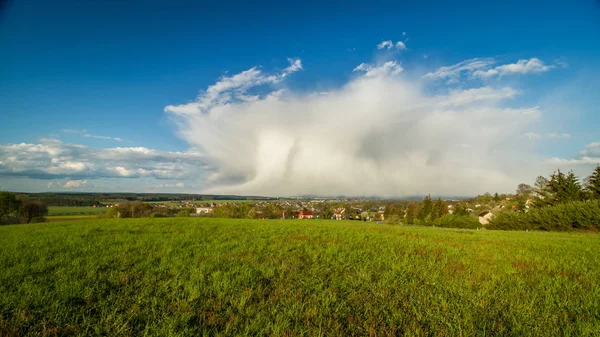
[
  {"x": 75, "y": 210},
  {"x": 217, "y": 277},
  {"x": 58, "y": 218}
]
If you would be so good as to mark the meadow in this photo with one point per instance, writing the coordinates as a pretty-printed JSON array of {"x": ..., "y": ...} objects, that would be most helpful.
[
  {"x": 75, "y": 210},
  {"x": 221, "y": 277}
]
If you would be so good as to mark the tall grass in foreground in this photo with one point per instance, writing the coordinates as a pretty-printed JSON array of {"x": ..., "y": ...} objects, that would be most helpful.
[{"x": 199, "y": 276}]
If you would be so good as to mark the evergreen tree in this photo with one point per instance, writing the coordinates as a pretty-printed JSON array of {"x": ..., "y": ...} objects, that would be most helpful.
[
  {"x": 572, "y": 190},
  {"x": 425, "y": 208},
  {"x": 555, "y": 188},
  {"x": 540, "y": 188},
  {"x": 410, "y": 213},
  {"x": 496, "y": 197},
  {"x": 592, "y": 184},
  {"x": 438, "y": 209}
]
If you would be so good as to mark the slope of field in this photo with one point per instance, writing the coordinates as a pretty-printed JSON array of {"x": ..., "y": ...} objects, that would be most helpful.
[{"x": 201, "y": 276}]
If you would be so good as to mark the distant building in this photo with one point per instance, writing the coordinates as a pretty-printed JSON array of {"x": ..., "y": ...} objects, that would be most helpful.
[
  {"x": 485, "y": 217},
  {"x": 305, "y": 215},
  {"x": 337, "y": 213},
  {"x": 204, "y": 210}
]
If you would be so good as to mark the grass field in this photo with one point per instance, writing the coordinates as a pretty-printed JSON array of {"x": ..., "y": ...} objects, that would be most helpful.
[
  {"x": 211, "y": 277},
  {"x": 75, "y": 210},
  {"x": 58, "y": 218}
]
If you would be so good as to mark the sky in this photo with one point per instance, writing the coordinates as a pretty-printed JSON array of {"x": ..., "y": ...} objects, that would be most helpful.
[{"x": 388, "y": 99}]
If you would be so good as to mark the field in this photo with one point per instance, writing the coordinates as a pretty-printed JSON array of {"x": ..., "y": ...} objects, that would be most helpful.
[
  {"x": 75, "y": 210},
  {"x": 58, "y": 218},
  {"x": 217, "y": 277}
]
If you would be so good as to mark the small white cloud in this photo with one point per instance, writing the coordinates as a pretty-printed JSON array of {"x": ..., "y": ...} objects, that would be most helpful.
[
  {"x": 400, "y": 45},
  {"x": 385, "y": 45},
  {"x": 591, "y": 150},
  {"x": 425, "y": 56},
  {"x": 403, "y": 33},
  {"x": 74, "y": 183},
  {"x": 531, "y": 66},
  {"x": 388, "y": 68}
]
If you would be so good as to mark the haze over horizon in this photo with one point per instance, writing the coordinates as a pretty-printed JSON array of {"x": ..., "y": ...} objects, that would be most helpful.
[{"x": 268, "y": 99}]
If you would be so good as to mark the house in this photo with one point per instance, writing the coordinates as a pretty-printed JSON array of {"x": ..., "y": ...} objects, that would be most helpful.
[
  {"x": 305, "y": 215},
  {"x": 484, "y": 217},
  {"x": 337, "y": 213},
  {"x": 203, "y": 210}
]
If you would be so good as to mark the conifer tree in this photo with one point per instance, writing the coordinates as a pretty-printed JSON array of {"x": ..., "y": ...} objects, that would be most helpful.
[
  {"x": 572, "y": 189},
  {"x": 438, "y": 209},
  {"x": 425, "y": 208},
  {"x": 410, "y": 213},
  {"x": 592, "y": 185}
]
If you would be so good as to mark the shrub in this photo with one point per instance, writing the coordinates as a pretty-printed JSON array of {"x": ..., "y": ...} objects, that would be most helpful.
[
  {"x": 183, "y": 213},
  {"x": 457, "y": 221},
  {"x": 575, "y": 215}
]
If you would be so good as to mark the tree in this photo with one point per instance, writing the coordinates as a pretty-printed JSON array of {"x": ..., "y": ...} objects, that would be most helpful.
[
  {"x": 524, "y": 189},
  {"x": 9, "y": 206},
  {"x": 410, "y": 213},
  {"x": 592, "y": 184},
  {"x": 460, "y": 209},
  {"x": 572, "y": 187},
  {"x": 496, "y": 197},
  {"x": 32, "y": 210},
  {"x": 439, "y": 209},
  {"x": 426, "y": 208},
  {"x": 542, "y": 195},
  {"x": 184, "y": 213}
]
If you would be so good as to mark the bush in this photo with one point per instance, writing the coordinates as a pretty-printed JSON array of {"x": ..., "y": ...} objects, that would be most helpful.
[
  {"x": 575, "y": 215},
  {"x": 183, "y": 213},
  {"x": 457, "y": 221}
]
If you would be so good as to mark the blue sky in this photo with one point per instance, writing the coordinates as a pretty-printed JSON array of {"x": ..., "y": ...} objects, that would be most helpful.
[{"x": 100, "y": 74}]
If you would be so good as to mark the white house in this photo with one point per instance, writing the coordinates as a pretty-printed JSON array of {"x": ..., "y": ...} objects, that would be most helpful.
[
  {"x": 484, "y": 217},
  {"x": 203, "y": 210}
]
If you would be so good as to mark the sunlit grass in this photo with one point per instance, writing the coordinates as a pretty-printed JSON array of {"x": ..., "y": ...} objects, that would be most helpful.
[
  {"x": 203, "y": 276},
  {"x": 75, "y": 210}
]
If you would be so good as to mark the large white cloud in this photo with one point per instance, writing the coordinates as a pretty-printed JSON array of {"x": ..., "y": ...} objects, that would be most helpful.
[{"x": 379, "y": 134}]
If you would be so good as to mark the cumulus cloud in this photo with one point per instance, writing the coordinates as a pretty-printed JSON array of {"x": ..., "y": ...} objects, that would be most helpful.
[
  {"x": 52, "y": 159},
  {"x": 588, "y": 158},
  {"x": 379, "y": 134},
  {"x": 531, "y": 66},
  {"x": 400, "y": 45},
  {"x": 86, "y": 134},
  {"x": 546, "y": 136},
  {"x": 385, "y": 45},
  {"x": 591, "y": 150},
  {"x": 74, "y": 183}
]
